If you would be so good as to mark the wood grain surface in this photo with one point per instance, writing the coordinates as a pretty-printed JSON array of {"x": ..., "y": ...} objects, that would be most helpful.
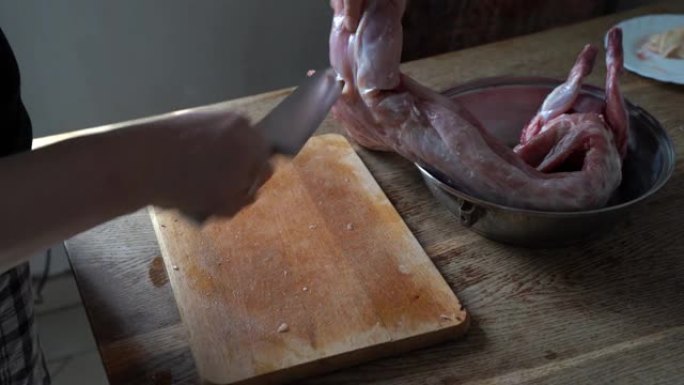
[
  {"x": 610, "y": 311},
  {"x": 319, "y": 273}
]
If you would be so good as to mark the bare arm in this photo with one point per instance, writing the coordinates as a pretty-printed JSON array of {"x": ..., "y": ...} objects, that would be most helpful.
[
  {"x": 200, "y": 163},
  {"x": 55, "y": 192}
]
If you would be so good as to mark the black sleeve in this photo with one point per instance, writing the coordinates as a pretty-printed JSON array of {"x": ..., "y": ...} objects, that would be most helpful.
[{"x": 15, "y": 125}]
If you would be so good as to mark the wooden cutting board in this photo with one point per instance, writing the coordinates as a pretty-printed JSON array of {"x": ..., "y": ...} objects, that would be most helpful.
[{"x": 320, "y": 273}]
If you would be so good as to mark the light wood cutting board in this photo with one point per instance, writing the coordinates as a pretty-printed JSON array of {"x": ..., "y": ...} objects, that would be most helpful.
[{"x": 320, "y": 273}]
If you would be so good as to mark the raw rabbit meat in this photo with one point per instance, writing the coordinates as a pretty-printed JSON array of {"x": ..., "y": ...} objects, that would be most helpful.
[{"x": 569, "y": 157}]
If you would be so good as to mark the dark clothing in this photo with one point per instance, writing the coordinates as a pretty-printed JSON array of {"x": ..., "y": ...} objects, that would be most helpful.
[
  {"x": 15, "y": 125},
  {"x": 21, "y": 360}
]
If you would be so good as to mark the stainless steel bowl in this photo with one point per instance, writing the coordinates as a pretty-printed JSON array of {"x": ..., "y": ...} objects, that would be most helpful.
[{"x": 504, "y": 106}]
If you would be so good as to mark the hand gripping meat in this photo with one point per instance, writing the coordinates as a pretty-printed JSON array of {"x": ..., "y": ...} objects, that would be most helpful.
[{"x": 383, "y": 109}]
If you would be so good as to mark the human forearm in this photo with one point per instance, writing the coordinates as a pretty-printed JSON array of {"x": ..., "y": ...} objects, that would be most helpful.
[
  {"x": 207, "y": 162},
  {"x": 55, "y": 192}
]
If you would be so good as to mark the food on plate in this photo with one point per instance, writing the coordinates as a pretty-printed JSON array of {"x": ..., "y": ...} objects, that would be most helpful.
[
  {"x": 669, "y": 44},
  {"x": 570, "y": 154}
]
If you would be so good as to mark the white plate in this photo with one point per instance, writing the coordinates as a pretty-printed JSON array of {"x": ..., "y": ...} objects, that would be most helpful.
[{"x": 635, "y": 32}]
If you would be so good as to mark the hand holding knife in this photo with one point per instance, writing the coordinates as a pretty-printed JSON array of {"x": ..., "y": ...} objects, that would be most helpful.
[{"x": 290, "y": 124}]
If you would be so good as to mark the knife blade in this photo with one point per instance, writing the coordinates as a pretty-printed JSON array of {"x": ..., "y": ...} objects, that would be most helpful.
[{"x": 290, "y": 124}]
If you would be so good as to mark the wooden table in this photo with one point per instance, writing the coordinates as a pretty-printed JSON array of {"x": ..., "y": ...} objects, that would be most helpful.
[{"x": 611, "y": 311}]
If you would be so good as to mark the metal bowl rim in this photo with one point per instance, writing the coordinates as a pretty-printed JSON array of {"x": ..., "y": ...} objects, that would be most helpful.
[{"x": 501, "y": 81}]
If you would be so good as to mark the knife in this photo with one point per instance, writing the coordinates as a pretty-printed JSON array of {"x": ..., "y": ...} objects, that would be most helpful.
[{"x": 290, "y": 124}]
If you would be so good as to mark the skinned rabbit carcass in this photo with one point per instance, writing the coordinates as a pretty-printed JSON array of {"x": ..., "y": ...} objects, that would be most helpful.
[{"x": 569, "y": 157}]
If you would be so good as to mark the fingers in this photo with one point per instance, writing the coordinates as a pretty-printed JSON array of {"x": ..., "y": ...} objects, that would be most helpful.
[
  {"x": 230, "y": 204},
  {"x": 352, "y": 14},
  {"x": 264, "y": 175},
  {"x": 257, "y": 169},
  {"x": 248, "y": 197},
  {"x": 260, "y": 170},
  {"x": 258, "y": 179},
  {"x": 215, "y": 163}
]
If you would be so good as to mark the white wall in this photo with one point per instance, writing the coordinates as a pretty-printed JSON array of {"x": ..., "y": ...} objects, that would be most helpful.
[{"x": 91, "y": 62}]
